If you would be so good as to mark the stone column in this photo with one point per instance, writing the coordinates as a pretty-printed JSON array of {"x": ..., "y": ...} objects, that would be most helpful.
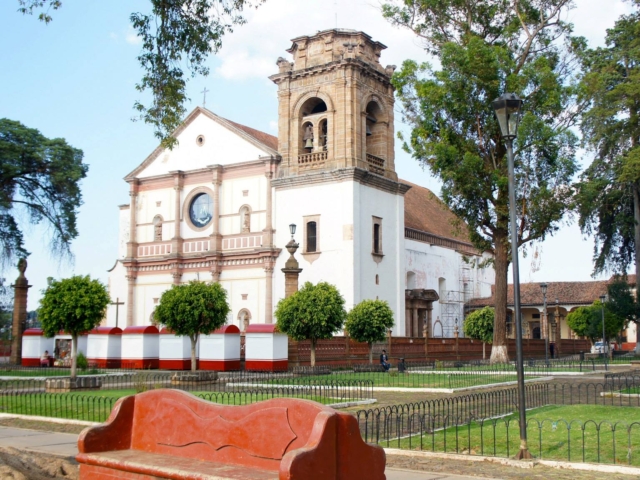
[
  {"x": 132, "y": 245},
  {"x": 176, "y": 241},
  {"x": 267, "y": 237},
  {"x": 215, "y": 237},
  {"x": 558, "y": 337},
  {"x": 20, "y": 291},
  {"x": 415, "y": 320},
  {"x": 215, "y": 274},
  {"x": 408, "y": 332},
  {"x": 291, "y": 270},
  {"x": 131, "y": 279},
  {"x": 268, "y": 292}
]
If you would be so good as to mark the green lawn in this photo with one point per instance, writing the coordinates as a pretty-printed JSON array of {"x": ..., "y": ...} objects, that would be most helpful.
[
  {"x": 96, "y": 405},
  {"x": 631, "y": 391},
  {"x": 393, "y": 379},
  {"x": 47, "y": 372},
  {"x": 578, "y": 433}
]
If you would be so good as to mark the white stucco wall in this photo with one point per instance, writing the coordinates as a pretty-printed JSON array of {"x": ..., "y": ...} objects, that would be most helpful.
[
  {"x": 430, "y": 263},
  {"x": 221, "y": 147}
]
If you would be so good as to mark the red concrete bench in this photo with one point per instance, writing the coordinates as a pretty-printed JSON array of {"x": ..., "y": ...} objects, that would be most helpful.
[{"x": 170, "y": 434}]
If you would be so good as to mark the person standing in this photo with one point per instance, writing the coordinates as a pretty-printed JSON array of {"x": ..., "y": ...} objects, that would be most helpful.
[{"x": 384, "y": 361}]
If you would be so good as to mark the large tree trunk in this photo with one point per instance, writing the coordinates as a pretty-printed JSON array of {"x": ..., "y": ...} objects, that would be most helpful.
[
  {"x": 499, "y": 353},
  {"x": 484, "y": 352},
  {"x": 370, "y": 353},
  {"x": 194, "y": 341},
  {"x": 74, "y": 354},
  {"x": 313, "y": 352},
  {"x": 636, "y": 216}
]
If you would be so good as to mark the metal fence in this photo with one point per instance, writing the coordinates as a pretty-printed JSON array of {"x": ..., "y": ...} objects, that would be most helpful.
[{"x": 481, "y": 424}]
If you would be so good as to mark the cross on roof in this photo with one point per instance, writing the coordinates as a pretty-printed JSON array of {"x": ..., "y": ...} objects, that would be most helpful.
[{"x": 204, "y": 99}]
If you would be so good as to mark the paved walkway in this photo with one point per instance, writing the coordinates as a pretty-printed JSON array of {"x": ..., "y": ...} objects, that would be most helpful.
[{"x": 67, "y": 444}]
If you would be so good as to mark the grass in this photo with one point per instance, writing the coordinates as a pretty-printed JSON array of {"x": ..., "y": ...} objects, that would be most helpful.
[
  {"x": 401, "y": 380},
  {"x": 46, "y": 372},
  {"x": 96, "y": 405},
  {"x": 579, "y": 433},
  {"x": 631, "y": 391}
]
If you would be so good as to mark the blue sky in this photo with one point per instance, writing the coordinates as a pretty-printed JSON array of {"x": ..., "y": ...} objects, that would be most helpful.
[{"x": 75, "y": 78}]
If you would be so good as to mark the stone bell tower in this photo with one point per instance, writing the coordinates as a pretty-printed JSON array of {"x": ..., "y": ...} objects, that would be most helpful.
[{"x": 335, "y": 105}]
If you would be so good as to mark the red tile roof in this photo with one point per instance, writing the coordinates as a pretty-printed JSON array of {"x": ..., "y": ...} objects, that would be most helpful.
[
  {"x": 567, "y": 293},
  {"x": 264, "y": 138},
  {"x": 424, "y": 211}
]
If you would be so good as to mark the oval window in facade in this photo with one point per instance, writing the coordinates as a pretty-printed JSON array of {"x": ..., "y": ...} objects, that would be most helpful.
[{"x": 201, "y": 210}]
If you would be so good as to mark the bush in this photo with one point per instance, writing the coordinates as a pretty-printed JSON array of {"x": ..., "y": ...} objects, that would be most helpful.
[{"x": 81, "y": 361}]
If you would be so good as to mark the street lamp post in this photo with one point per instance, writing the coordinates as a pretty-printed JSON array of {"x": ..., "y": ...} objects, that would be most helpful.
[
  {"x": 545, "y": 321},
  {"x": 604, "y": 341},
  {"x": 508, "y": 109}
]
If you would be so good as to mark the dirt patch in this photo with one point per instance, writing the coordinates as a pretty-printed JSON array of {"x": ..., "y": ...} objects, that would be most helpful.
[
  {"x": 23, "y": 465},
  {"x": 497, "y": 471},
  {"x": 43, "y": 426}
]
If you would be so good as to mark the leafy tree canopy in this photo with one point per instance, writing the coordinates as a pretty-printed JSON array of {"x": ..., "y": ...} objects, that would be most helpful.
[
  {"x": 193, "y": 308},
  {"x": 485, "y": 49},
  {"x": 314, "y": 312},
  {"x": 369, "y": 321},
  {"x": 177, "y": 38},
  {"x": 39, "y": 180},
  {"x": 608, "y": 195},
  {"x": 479, "y": 324},
  {"x": 587, "y": 321},
  {"x": 75, "y": 305}
]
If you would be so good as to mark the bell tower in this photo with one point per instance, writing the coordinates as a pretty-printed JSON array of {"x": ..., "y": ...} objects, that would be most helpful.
[{"x": 335, "y": 105}]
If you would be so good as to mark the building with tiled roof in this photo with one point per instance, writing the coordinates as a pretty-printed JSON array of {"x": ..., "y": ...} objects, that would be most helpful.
[
  {"x": 218, "y": 206},
  {"x": 561, "y": 297}
]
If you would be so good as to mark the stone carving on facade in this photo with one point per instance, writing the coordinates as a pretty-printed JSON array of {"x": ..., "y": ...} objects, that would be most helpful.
[{"x": 245, "y": 218}]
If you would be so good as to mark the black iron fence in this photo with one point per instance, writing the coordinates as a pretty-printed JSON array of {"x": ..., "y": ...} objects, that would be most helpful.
[{"x": 484, "y": 424}]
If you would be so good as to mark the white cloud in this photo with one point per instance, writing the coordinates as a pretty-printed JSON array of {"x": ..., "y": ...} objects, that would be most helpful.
[
  {"x": 131, "y": 37},
  {"x": 252, "y": 49}
]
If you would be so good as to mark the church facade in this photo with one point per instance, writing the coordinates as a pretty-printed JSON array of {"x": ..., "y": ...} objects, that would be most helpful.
[{"x": 218, "y": 207}]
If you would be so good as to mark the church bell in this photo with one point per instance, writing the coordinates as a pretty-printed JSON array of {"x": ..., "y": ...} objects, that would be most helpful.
[
  {"x": 368, "y": 131},
  {"x": 308, "y": 143}
]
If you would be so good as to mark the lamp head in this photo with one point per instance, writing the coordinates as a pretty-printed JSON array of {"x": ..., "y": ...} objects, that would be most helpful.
[
  {"x": 508, "y": 110},
  {"x": 543, "y": 287},
  {"x": 292, "y": 229},
  {"x": 603, "y": 298}
]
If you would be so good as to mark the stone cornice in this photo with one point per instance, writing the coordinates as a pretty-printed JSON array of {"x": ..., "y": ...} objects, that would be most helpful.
[
  {"x": 355, "y": 174},
  {"x": 331, "y": 66}
]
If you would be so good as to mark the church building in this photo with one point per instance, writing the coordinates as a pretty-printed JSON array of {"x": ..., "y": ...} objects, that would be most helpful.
[{"x": 218, "y": 207}]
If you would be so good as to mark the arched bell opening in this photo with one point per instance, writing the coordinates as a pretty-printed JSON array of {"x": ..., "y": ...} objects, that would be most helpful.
[
  {"x": 376, "y": 131},
  {"x": 314, "y": 132}
]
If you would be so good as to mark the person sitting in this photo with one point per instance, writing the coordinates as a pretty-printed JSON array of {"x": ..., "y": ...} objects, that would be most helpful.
[
  {"x": 44, "y": 359},
  {"x": 384, "y": 361}
]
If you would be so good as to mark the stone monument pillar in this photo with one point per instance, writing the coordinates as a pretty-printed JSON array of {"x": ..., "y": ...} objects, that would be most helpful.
[
  {"x": 19, "y": 312},
  {"x": 291, "y": 270}
]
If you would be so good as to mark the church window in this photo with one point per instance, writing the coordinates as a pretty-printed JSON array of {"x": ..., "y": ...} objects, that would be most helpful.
[
  {"x": 201, "y": 210},
  {"x": 200, "y": 140},
  {"x": 311, "y": 237},
  {"x": 157, "y": 228},
  {"x": 377, "y": 236}
]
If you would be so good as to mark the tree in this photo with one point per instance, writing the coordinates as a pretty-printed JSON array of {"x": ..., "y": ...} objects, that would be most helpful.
[
  {"x": 608, "y": 194},
  {"x": 485, "y": 49},
  {"x": 479, "y": 326},
  {"x": 177, "y": 38},
  {"x": 193, "y": 309},
  {"x": 623, "y": 303},
  {"x": 313, "y": 313},
  {"x": 369, "y": 321},
  {"x": 40, "y": 180},
  {"x": 6, "y": 310},
  {"x": 587, "y": 321},
  {"x": 74, "y": 305}
]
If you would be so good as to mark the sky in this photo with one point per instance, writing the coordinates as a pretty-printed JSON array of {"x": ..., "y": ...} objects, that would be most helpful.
[{"x": 75, "y": 78}]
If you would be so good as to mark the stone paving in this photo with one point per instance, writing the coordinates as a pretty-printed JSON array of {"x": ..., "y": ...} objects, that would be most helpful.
[{"x": 65, "y": 444}]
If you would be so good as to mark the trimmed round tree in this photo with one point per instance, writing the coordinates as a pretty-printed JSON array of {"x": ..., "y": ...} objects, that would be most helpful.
[
  {"x": 368, "y": 322},
  {"x": 193, "y": 309},
  {"x": 479, "y": 326},
  {"x": 312, "y": 313},
  {"x": 75, "y": 305}
]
